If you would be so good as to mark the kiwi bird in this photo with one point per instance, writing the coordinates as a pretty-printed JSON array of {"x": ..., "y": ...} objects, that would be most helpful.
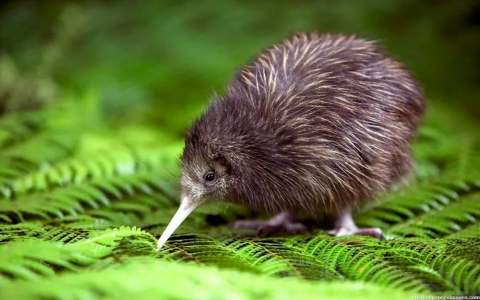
[{"x": 316, "y": 123}]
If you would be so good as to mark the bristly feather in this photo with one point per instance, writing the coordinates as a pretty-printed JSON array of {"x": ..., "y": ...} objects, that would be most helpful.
[{"x": 314, "y": 123}]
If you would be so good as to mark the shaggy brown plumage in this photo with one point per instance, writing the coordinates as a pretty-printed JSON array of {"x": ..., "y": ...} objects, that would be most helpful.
[{"x": 315, "y": 123}]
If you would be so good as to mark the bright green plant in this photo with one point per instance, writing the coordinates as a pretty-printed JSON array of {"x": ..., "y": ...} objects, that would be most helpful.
[{"x": 82, "y": 206}]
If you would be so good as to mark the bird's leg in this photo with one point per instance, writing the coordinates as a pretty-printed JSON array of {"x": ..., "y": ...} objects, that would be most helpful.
[
  {"x": 344, "y": 225},
  {"x": 283, "y": 222}
]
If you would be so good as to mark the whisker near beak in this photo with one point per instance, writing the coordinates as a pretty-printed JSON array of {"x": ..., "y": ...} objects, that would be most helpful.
[{"x": 186, "y": 207}]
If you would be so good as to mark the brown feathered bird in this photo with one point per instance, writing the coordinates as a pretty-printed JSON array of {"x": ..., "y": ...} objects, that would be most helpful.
[{"x": 317, "y": 123}]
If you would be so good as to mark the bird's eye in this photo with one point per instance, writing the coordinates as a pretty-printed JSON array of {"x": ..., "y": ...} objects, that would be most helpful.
[{"x": 209, "y": 176}]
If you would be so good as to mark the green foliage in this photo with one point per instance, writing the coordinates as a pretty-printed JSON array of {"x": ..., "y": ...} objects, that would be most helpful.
[
  {"x": 67, "y": 199},
  {"x": 162, "y": 280}
]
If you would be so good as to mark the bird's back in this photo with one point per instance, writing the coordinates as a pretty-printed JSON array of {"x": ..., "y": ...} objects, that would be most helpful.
[{"x": 335, "y": 106}]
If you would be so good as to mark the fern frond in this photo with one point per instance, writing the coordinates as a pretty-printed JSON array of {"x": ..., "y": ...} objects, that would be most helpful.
[
  {"x": 441, "y": 258},
  {"x": 33, "y": 258},
  {"x": 403, "y": 208},
  {"x": 90, "y": 164},
  {"x": 438, "y": 223},
  {"x": 74, "y": 199},
  {"x": 28, "y": 260},
  {"x": 366, "y": 260},
  {"x": 469, "y": 232},
  {"x": 9, "y": 232},
  {"x": 165, "y": 280},
  {"x": 275, "y": 257}
]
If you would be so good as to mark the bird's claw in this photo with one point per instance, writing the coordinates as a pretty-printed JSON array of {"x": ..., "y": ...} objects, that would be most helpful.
[{"x": 372, "y": 231}]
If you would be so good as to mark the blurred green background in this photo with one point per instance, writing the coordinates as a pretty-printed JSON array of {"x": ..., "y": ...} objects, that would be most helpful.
[{"x": 158, "y": 62}]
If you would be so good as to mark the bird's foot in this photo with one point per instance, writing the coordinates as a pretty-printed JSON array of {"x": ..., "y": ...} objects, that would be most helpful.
[
  {"x": 342, "y": 231},
  {"x": 344, "y": 225},
  {"x": 282, "y": 223}
]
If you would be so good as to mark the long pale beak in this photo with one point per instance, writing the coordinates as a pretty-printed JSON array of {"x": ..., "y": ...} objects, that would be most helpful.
[{"x": 186, "y": 207}]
